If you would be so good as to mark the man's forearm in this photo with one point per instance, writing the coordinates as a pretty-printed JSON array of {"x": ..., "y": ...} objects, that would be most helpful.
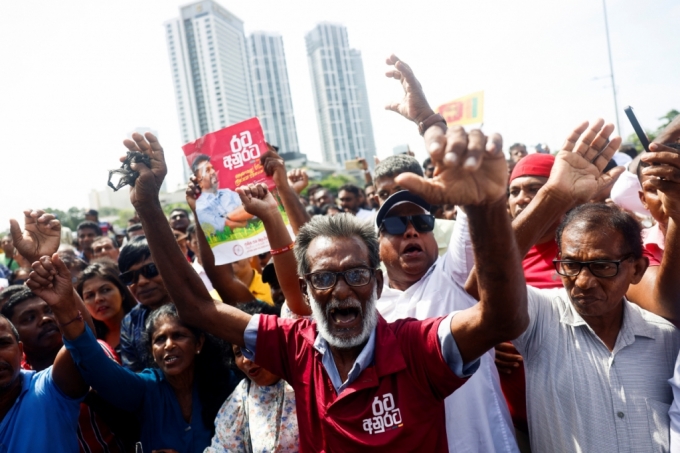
[
  {"x": 181, "y": 281},
  {"x": 297, "y": 214},
  {"x": 285, "y": 264},
  {"x": 231, "y": 289},
  {"x": 667, "y": 287},
  {"x": 501, "y": 284},
  {"x": 539, "y": 217}
]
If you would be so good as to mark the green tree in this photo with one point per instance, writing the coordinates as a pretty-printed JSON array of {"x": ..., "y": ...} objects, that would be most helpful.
[
  {"x": 333, "y": 182},
  {"x": 652, "y": 134},
  {"x": 70, "y": 218}
]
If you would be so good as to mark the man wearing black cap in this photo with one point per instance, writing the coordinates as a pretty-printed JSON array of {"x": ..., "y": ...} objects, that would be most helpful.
[{"x": 420, "y": 284}]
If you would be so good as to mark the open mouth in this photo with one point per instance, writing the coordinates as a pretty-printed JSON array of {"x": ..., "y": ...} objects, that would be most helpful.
[
  {"x": 412, "y": 250},
  {"x": 101, "y": 309},
  {"x": 345, "y": 315},
  {"x": 254, "y": 371},
  {"x": 170, "y": 359}
]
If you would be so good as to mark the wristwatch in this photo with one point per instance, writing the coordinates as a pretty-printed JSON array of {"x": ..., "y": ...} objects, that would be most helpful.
[{"x": 431, "y": 121}]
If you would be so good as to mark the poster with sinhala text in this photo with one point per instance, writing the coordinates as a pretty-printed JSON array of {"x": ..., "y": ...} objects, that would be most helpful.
[{"x": 222, "y": 161}]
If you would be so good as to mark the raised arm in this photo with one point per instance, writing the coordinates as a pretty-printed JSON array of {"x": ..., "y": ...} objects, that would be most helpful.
[
  {"x": 470, "y": 171},
  {"x": 575, "y": 177},
  {"x": 40, "y": 237},
  {"x": 82, "y": 363},
  {"x": 275, "y": 167},
  {"x": 658, "y": 291},
  {"x": 414, "y": 106},
  {"x": 184, "y": 286},
  {"x": 260, "y": 202},
  {"x": 53, "y": 285},
  {"x": 231, "y": 289}
]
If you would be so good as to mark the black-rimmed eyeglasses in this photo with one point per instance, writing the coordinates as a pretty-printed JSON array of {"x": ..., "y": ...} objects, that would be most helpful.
[
  {"x": 323, "y": 280},
  {"x": 599, "y": 268}
]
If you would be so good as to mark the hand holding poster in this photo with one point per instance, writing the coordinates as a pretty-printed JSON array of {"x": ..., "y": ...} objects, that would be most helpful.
[
  {"x": 222, "y": 161},
  {"x": 465, "y": 110}
]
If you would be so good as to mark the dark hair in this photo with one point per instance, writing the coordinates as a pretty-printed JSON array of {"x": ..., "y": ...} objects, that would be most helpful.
[
  {"x": 427, "y": 162},
  {"x": 339, "y": 226},
  {"x": 254, "y": 307},
  {"x": 601, "y": 216},
  {"x": 198, "y": 160},
  {"x": 113, "y": 241},
  {"x": 396, "y": 165},
  {"x": 109, "y": 272},
  {"x": 14, "y": 330},
  {"x": 91, "y": 225},
  {"x": 134, "y": 227},
  {"x": 191, "y": 230},
  {"x": 215, "y": 379},
  {"x": 313, "y": 188},
  {"x": 325, "y": 208},
  {"x": 8, "y": 292},
  {"x": 16, "y": 299},
  {"x": 351, "y": 188},
  {"x": 135, "y": 251},
  {"x": 518, "y": 145},
  {"x": 180, "y": 209}
]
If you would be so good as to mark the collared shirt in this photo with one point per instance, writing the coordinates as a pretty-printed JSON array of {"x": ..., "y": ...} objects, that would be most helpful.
[
  {"x": 257, "y": 419},
  {"x": 478, "y": 419},
  {"x": 583, "y": 397},
  {"x": 41, "y": 419},
  {"x": 653, "y": 244},
  {"x": 394, "y": 404},
  {"x": 133, "y": 351},
  {"x": 213, "y": 208},
  {"x": 201, "y": 273}
]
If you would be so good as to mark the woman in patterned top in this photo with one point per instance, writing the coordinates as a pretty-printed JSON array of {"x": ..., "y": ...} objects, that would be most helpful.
[{"x": 260, "y": 415}]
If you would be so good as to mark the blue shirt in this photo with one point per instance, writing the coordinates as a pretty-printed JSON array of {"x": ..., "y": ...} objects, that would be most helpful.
[
  {"x": 147, "y": 394},
  {"x": 132, "y": 345},
  {"x": 213, "y": 208},
  {"x": 41, "y": 419}
]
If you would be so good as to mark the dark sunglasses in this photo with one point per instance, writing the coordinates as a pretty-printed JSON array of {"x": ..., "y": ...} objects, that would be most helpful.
[
  {"x": 131, "y": 277},
  {"x": 423, "y": 223}
]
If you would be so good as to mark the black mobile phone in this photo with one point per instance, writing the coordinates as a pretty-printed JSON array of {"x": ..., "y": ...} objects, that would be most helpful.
[{"x": 638, "y": 129}]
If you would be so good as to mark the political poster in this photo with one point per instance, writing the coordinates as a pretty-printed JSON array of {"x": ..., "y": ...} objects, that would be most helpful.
[
  {"x": 224, "y": 160},
  {"x": 464, "y": 110}
]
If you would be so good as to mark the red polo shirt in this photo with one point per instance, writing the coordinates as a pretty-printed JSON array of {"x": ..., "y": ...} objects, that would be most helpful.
[{"x": 397, "y": 404}]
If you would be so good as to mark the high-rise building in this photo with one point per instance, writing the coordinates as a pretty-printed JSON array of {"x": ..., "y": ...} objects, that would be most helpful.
[
  {"x": 271, "y": 91},
  {"x": 209, "y": 64},
  {"x": 340, "y": 95}
]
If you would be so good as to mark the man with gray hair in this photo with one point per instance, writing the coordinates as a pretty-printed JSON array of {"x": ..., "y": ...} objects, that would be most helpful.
[{"x": 360, "y": 382}]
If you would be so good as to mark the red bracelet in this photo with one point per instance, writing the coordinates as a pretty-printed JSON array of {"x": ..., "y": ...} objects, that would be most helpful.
[
  {"x": 77, "y": 318},
  {"x": 283, "y": 249}
]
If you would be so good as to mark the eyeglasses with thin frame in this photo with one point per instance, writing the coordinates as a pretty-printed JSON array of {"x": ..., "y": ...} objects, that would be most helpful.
[
  {"x": 359, "y": 276},
  {"x": 423, "y": 223},
  {"x": 132, "y": 277},
  {"x": 599, "y": 268}
]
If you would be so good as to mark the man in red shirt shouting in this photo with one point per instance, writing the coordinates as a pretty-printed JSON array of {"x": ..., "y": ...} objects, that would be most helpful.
[{"x": 362, "y": 383}]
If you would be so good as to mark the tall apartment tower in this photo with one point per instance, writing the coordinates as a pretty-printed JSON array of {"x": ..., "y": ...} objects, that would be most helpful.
[
  {"x": 271, "y": 91},
  {"x": 209, "y": 63},
  {"x": 340, "y": 95}
]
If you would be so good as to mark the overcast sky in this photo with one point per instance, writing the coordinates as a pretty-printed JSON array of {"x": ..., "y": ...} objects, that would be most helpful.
[{"x": 77, "y": 76}]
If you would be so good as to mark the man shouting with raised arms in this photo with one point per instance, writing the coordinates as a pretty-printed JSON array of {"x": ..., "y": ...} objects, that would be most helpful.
[{"x": 362, "y": 383}]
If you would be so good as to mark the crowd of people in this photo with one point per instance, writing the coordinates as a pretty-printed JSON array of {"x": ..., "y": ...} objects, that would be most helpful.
[{"x": 468, "y": 303}]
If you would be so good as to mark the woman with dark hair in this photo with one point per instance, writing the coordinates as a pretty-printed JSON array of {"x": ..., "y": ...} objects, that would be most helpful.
[
  {"x": 175, "y": 403},
  {"x": 260, "y": 415},
  {"x": 107, "y": 299}
]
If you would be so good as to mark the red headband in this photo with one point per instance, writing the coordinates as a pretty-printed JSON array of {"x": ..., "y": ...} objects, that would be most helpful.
[{"x": 534, "y": 165}]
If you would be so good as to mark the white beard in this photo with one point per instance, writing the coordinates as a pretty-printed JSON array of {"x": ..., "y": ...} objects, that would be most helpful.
[{"x": 369, "y": 319}]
